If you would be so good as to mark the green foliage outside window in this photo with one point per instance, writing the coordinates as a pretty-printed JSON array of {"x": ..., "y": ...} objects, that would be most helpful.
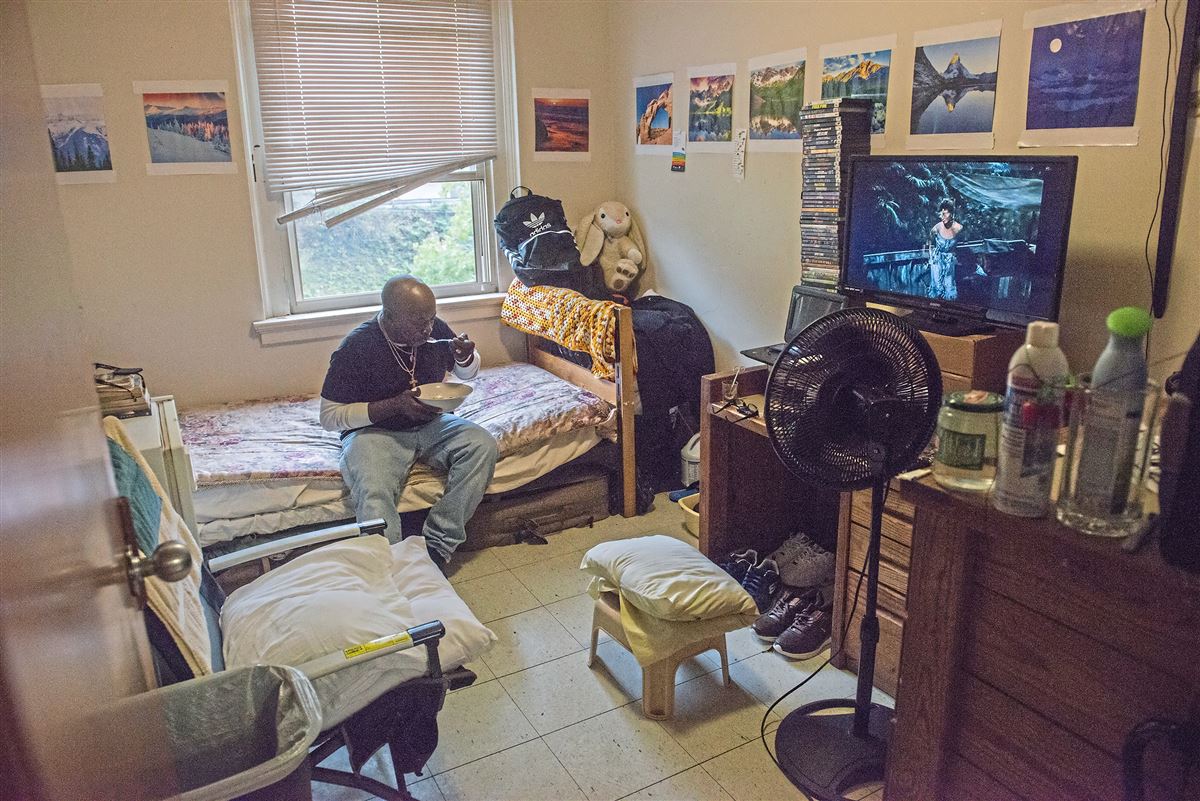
[{"x": 430, "y": 237}]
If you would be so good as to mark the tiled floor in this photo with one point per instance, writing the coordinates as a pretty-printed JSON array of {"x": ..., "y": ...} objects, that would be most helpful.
[{"x": 540, "y": 725}]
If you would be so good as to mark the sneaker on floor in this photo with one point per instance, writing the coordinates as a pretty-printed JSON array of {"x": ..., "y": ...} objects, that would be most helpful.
[
  {"x": 762, "y": 582},
  {"x": 739, "y": 563},
  {"x": 779, "y": 617},
  {"x": 808, "y": 635},
  {"x": 804, "y": 563}
]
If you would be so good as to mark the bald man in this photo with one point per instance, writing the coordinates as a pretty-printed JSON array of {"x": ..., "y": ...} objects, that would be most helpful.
[{"x": 370, "y": 395}]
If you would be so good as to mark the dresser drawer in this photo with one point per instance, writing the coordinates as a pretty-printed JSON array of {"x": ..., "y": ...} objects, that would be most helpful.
[{"x": 893, "y": 559}]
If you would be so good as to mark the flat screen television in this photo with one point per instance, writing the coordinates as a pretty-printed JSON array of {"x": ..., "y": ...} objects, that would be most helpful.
[{"x": 967, "y": 242}]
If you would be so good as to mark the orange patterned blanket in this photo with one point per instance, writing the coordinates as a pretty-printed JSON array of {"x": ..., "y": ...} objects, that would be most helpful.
[{"x": 564, "y": 316}]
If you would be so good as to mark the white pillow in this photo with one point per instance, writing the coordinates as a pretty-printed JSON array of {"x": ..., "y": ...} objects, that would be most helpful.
[
  {"x": 667, "y": 579},
  {"x": 328, "y": 599},
  {"x": 343, "y": 594}
]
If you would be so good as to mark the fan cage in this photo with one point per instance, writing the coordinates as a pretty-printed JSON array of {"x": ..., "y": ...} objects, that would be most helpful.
[{"x": 808, "y": 412}]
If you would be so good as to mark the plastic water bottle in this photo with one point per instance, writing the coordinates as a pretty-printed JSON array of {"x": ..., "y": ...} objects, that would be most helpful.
[
  {"x": 1033, "y": 403},
  {"x": 1114, "y": 415}
]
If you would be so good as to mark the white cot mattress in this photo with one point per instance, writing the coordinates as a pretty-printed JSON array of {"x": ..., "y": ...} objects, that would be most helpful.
[{"x": 267, "y": 465}]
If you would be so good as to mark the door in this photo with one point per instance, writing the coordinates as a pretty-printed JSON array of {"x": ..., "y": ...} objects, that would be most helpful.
[{"x": 72, "y": 643}]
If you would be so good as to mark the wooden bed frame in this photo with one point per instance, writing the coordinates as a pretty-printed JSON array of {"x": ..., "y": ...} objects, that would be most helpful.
[{"x": 621, "y": 392}]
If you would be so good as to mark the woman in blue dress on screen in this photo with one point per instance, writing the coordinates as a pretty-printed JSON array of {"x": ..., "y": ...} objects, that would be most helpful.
[{"x": 942, "y": 260}]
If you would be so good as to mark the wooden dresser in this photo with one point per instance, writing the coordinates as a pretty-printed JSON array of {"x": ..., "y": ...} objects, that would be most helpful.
[
  {"x": 978, "y": 361},
  {"x": 1030, "y": 653}
]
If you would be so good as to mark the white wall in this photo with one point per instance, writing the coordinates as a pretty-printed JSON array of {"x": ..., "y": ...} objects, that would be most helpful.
[
  {"x": 165, "y": 266},
  {"x": 731, "y": 250}
]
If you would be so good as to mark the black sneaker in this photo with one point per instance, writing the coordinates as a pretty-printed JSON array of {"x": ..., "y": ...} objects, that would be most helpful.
[
  {"x": 808, "y": 635},
  {"x": 739, "y": 563},
  {"x": 762, "y": 582},
  {"x": 776, "y": 620}
]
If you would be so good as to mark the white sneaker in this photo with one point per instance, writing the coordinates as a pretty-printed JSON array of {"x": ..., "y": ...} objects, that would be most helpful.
[{"x": 804, "y": 563}]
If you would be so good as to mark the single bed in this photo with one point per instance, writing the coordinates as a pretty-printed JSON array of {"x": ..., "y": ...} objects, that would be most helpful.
[{"x": 267, "y": 466}]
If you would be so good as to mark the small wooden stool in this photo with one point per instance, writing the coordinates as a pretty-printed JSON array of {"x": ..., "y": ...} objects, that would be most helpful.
[{"x": 658, "y": 679}]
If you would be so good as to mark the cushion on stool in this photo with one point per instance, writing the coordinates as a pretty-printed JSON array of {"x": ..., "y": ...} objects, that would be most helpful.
[{"x": 666, "y": 579}]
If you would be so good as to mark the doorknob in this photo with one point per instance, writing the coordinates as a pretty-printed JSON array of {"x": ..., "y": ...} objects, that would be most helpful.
[{"x": 170, "y": 561}]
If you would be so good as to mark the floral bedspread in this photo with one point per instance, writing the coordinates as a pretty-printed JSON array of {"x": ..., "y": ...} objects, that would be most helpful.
[{"x": 282, "y": 438}]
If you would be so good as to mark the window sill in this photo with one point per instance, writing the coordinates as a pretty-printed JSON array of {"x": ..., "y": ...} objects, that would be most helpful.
[{"x": 312, "y": 326}]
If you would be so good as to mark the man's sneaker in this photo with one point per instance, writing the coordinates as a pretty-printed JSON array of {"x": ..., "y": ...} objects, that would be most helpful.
[
  {"x": 762, "y": 582},
  {"x": 739, "y": 563},
  {"x": 776, "y": 620},
  {"x": 807, "y": 636},
  {"x": 803, "y": 563}
]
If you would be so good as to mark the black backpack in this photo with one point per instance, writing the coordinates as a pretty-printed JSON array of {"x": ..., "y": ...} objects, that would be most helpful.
[{"x": 532, "y": 231}]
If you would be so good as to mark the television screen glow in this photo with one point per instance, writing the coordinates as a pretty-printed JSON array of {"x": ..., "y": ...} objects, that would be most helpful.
[{"x": 985, "y": 236}]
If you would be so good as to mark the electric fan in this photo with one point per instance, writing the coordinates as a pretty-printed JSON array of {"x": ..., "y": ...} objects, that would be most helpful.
[{"x": 851, "y": 402}]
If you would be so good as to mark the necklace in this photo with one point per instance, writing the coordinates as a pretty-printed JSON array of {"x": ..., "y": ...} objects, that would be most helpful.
[{"x": 399, "y": 353}]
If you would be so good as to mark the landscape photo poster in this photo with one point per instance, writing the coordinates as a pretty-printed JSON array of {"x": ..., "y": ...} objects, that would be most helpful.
[
  {"x": 859, "y": 69},
  {"x": 710, "y": 107},
  {"x": 1084, "y": 72},
  {"x": 187, "y": 127},
  {"x": 78, "y": 133},
  {"x": 561, "y": 125},
  {"x": 776, "y": 98},
  {"x": 653, "y": 112},
  {"x": 954, "y": 87}
]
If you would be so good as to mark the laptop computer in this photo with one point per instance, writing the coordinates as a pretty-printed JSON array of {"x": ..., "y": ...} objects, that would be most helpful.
[{"x": 808, "y": 305}]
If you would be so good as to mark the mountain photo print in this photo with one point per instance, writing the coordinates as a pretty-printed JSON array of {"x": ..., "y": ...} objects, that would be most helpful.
[
  {"x": 710, "y": 103},
  {"x": 954, "y": 86},
  {"x": 861, "y": 73},
  {"x": 187, "y": 127},
  {"x": 77, "y": 132},
  {"x": 777, "y": 96}
]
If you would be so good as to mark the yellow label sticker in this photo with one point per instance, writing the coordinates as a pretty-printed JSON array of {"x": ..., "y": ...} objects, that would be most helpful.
[{"x": 375, "y": 645}]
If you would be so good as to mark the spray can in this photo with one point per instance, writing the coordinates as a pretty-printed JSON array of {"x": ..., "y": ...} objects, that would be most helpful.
[{"x": 1033, "y": 404}]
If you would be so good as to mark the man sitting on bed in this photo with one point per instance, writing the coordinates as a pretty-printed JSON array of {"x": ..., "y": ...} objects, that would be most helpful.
[{"x": 370, "y": 395}]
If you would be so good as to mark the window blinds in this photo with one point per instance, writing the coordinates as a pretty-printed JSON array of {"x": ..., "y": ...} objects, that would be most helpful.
[{"x": 363, "y": 100}]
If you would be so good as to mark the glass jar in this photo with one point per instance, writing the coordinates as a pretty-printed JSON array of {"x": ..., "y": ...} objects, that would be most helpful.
[
  {"x": 1108, "y": 450},
  {"x": 968, "y": 429}
]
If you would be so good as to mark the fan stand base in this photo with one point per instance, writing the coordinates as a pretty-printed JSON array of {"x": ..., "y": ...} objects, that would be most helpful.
[{"x": 820, "y": 754}]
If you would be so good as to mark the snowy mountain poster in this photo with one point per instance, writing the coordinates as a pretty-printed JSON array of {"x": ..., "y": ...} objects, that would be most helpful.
[
  {"x": 187, "y": 127},
  {"x": 954, "y": 87},
  {"x": 1084, "y": 71},
  {"x": 710, "y": 107},
  {"x": 859, "y": 69},
  {"x": 78, "y": 133}
]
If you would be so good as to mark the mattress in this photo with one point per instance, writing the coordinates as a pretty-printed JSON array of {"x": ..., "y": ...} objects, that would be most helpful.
[{"x": 267, "y": 465}]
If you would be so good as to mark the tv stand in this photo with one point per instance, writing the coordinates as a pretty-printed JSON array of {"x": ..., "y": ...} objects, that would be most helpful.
[{"x": 947, "y": 324}]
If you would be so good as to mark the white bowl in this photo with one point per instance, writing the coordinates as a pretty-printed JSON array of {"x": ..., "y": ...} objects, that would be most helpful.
[{"x": 444, "y": 395}]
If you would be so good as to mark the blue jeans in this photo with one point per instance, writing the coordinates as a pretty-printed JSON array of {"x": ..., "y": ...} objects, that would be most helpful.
[{"x": 376, "y": 461}]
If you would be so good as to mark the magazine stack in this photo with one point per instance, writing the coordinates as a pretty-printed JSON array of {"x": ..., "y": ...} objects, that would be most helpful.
[
  {"x": 122, "y": 391},
  {"x": 831, "y": 131}
]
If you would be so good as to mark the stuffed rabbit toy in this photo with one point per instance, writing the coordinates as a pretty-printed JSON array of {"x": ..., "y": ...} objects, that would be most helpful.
[{"x": 610, "y": 234}]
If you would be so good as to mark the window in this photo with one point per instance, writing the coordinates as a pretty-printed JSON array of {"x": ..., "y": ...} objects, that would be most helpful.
[{"x": 376, "y": 127}]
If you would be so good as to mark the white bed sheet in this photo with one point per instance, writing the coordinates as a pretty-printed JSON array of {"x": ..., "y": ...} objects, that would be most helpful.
[{"x": 227, "y": 511}]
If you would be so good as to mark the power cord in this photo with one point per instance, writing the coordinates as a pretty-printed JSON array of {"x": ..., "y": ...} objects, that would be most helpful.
[{"x": 762, "y": 728}]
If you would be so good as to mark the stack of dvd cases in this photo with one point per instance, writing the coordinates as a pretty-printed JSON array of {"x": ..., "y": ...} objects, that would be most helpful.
[{"x": 831, "y": 131}]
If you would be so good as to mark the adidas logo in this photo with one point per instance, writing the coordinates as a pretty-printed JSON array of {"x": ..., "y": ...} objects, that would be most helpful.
[{"x": 534, "y": 222}]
